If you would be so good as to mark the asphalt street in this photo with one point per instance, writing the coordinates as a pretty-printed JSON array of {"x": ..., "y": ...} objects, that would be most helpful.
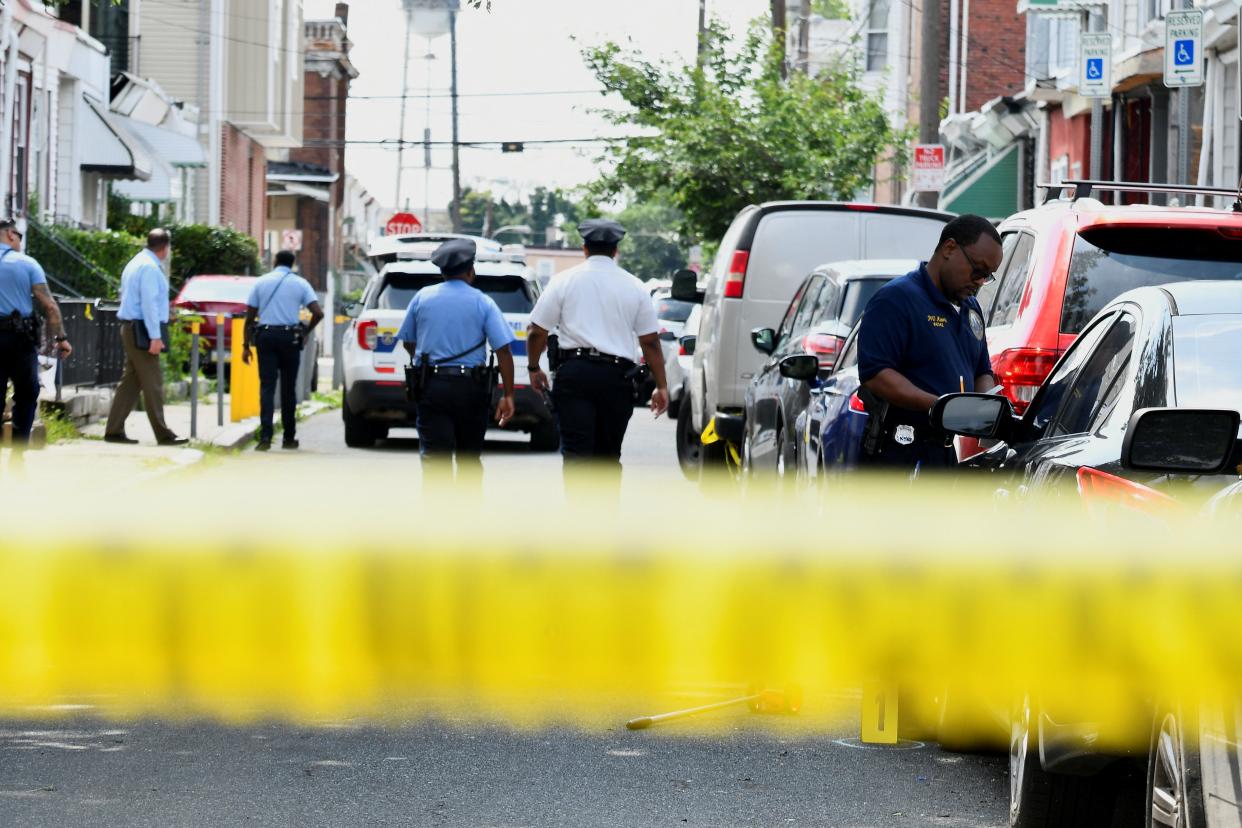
[{"x": 730, "y": 768}]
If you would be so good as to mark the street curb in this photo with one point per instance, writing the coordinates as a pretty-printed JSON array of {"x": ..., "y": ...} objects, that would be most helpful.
[{"x": 239, "y": 435}]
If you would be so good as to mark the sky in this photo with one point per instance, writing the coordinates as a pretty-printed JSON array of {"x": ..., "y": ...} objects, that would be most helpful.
[{"x": 519, "y": 48}]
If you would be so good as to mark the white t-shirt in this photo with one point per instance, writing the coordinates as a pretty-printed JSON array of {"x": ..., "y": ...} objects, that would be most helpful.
[{"x": 597, "y": 305}]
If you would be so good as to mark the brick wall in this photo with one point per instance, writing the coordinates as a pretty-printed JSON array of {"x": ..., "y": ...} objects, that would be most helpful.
[
  {"x": 243, "y": 182},
  {"x": 323, "y": 130},
  {"x": 996, "y": 57}
]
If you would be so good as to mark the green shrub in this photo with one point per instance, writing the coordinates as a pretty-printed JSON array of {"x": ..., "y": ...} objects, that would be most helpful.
[
  {"x": 107, "y": 249},
  {"x": 200, "y": 248}
]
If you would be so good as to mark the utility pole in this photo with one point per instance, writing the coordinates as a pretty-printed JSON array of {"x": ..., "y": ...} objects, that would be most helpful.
[
  {"x": 456, "y": 211},
  {"x": 929, "y": 86},
  {"x": 405, "y": 90},
  {"x": 702, "y": 42},
  {"x": 804, "y": 37},
  {"x": 778, "y": 32}
]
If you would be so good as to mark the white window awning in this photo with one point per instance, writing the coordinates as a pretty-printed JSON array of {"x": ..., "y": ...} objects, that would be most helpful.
[
  {"x": 108, "y": 148},
  {"x": 173, "y": 148}
]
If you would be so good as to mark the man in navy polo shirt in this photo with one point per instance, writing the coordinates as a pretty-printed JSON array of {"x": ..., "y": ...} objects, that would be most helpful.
[{"x": 922, "y": 336}]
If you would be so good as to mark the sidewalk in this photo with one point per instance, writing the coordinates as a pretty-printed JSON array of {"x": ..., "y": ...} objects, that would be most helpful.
[{"x": 230, "y": 435}]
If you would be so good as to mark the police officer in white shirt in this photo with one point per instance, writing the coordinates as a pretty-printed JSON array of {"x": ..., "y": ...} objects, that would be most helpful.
[{"x": 598, "y": 310}]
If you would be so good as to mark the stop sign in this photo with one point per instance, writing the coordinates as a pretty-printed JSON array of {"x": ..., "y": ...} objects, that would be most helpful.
[{"x": 403, "y": 224}]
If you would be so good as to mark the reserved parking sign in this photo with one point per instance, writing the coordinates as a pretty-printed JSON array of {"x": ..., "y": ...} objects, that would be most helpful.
[{"x": 1183, "y": 52}]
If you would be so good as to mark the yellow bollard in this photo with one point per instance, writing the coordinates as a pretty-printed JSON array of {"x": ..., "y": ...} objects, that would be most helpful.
[{"x": 244, "y": 382}]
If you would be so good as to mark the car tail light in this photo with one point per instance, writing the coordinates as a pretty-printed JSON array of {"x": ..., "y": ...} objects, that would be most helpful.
[
  {"x": 1020, "y": 371},
  {"x": 368, "y": 334},
  {"x": 856, "y": 403},
  {"x": 824, "y": 346},
  {"x": 736, "y": 277},
  {"x": 1101, "y": 488}
]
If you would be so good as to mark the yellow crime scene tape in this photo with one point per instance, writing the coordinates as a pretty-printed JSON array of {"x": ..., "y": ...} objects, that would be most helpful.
[{"x": 445, "y": 604}]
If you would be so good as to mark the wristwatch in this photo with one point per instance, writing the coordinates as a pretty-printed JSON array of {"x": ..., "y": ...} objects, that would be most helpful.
[
  {"x": 62, "y": 338},
  {"x": 530, "y": 368}
]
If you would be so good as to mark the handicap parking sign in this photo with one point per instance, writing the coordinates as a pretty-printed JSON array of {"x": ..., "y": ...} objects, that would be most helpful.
[
  {"x": 1095, "y": 68},
  {"x": 1183, "y": 52}
]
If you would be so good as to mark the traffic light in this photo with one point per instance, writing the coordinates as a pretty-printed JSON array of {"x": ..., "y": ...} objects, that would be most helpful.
[{"x": 511, "y": 146}]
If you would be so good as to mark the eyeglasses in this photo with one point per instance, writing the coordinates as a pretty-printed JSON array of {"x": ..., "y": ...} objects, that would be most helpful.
[{"x": 977, "y": 273}]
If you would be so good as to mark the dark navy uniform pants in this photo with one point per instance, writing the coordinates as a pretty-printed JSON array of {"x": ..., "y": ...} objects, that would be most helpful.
[
  {"x": 19, "y": 362},
  {"x": 453, "y": 414},
  {"x": 594, "y": 402},
  {"x": 279, "y": 356}
]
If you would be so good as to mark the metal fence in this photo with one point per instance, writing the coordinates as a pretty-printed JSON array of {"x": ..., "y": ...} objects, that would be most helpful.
[{"x": 93, "y": 329}]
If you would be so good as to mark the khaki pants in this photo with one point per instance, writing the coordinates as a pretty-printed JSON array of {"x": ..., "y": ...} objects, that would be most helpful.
[{"x": 142, "y": 373}]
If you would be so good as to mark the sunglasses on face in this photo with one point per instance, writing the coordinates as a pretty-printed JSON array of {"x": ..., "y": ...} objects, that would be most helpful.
[{"x": 977, "y": 273}]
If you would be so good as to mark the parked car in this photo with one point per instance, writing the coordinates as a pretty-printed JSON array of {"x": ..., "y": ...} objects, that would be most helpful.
[
  {"x": 375, "y": 394},
  {"x": 829, "y": 431},
  {"x": 1067, "y": 259},
  {"x": 821, "y": 314},
  {"x": 207, "y": 296},
  {"x": 1146, "y": 399},
  {"x": 679, "y": 359},
  {"x": 766, "y": 252}
]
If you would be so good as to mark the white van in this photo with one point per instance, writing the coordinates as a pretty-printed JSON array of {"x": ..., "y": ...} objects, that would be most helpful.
[{"x": 763, "y": 257}]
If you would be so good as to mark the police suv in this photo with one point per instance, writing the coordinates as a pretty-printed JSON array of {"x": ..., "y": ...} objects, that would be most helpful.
[{"x": 374, "y": 360}]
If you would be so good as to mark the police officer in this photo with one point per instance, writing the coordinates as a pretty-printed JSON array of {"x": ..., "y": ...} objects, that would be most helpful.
[
  {"x": 922, "y": 336},
  {"x": 598, "y": 310},
  {"x": 276, "y": 303},
  {"x": 22, "y": 286},
  {"x": 446, "y": 330}
]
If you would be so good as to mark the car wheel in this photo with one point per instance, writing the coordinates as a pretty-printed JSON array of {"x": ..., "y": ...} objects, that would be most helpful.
[
  {"x": 545, "y": 437},
  {"x": 1174, "y": 774},
  {"x": 688, "y": 445},
  {"x": 358, "y": 433},
  {"x": 1039, "y": 799}
]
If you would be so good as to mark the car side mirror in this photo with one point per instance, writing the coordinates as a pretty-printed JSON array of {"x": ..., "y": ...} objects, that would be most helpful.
[
  {"x": 972, "y": 415},
  {"x": 686, "y": 287},
  {"x": 1186, "y": 440},
  {"x": 687, "y": 343},
  {"x": 668, "y": 336},
  {"x": 803, "y": 367},
  {"x": 764, "y": 340},
  {"x": 353, "y": 310}
]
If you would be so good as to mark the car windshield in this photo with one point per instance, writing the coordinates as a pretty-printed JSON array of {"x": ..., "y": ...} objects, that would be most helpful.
[
  {"x": 217, "y": 290},
  {"x": 1108, "y": 261},
  {"x": 509, "y": 292},
  {"x": 673, "y": 310},
  {"x": 858, "y": 293},
  {"x": 1206, "y": 367}
]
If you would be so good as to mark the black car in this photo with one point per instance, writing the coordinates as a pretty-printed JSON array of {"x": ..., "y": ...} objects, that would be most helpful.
[
  {"x": 818, "y": 320},
  {"x": 1145, "y": 402}
]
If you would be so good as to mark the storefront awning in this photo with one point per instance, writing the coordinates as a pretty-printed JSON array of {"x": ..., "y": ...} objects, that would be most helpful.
[
  {"x": 987, "y": 188},
  {"x": 108, "y": 148}
]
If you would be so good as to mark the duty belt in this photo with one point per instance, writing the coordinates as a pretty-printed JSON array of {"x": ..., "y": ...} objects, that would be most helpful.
[
  {"x": 458, "y": 370},
  {"x": 9, "y": 322},
  {"x": 279, "y": 327},
  {"x": 595, "y": 356}
]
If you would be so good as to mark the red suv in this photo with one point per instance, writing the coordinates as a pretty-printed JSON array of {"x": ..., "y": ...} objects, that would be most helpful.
[
  {"x": 210, "y": 295},
  {"x": 1064, "y": 261}
]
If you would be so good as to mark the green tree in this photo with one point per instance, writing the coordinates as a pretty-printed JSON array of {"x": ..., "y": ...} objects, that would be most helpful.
[
  {"x": 652, "y": 248},
  {"x": 732, "y": 131}
]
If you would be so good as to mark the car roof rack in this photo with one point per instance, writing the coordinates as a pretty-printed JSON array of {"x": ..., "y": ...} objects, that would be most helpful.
[{"x": 1084, "y": 187}]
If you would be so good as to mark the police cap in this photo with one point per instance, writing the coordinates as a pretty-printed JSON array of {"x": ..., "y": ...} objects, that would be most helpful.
[
  {"x": 601, "y": 231},
  {"x": 454, "y": 256}
]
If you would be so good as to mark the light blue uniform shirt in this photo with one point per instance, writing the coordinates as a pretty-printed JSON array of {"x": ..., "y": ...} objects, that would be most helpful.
[
  {"x": 446, "y": 319},
  {"x": 18, "y": 275},
  {"x": 144, "y": 292},
  {"x": 280, "y": 303}
]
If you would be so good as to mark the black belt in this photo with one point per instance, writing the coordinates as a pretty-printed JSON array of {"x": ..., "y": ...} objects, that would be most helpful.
[
  {"x": 595, "y": 356},
  {"x": 458, "y": 370},
  {"x": 279, "y": 327},
  {"x": 9, "y": 323}
]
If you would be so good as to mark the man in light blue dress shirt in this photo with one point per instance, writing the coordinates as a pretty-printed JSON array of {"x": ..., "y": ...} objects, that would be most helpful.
[
  {"x": 276, "y": 303},
  {"x": 144, "y": 325}
]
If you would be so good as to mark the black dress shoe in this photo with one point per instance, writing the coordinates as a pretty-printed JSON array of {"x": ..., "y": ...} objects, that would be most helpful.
[
  {"x": 264, "y": 445},
  {"x": 289, "y": 444},
  {"x": 120, "y": 438},
  {"x": 174, "y": 441}
]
